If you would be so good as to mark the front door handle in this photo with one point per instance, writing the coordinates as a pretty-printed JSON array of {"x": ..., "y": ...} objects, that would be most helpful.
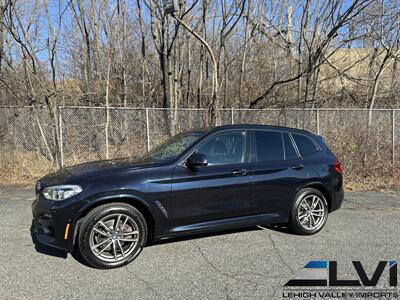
[
  {"x": 297, "y": 167},
  {"x": 240, "y": 172}
]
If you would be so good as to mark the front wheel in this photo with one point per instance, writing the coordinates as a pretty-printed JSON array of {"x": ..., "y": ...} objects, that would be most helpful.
[
  {"x": 309, "y": 212},
  {"x": 112, "y": 235}
]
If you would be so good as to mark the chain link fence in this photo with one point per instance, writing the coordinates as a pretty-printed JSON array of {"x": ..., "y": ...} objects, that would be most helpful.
[
  {"x": 33, "y": 142},
  {"x": 97, "y": 133},
  {"x": 27, "y": 143}
]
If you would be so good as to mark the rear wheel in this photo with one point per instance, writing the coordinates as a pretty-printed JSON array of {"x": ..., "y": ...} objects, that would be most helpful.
[
  {"x": 309, "y": 212},
  {"x": 112, "y": 235}
]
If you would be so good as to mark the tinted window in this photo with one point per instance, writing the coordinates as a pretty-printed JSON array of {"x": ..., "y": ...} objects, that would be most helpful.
[
  {"x": 268, "y": 146},
  {"x": 226, "y": 148},
  {"x": 304, "y": 144},
  {"x": 290, "y": 152}
]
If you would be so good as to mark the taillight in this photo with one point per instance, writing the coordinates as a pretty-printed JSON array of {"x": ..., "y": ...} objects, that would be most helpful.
[{"x": 337, "y": 166}]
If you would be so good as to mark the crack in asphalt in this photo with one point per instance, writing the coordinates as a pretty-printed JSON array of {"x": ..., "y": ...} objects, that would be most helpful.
[
  {"x": 211, "y": 264},
  {"x": 276, "y": 249},
  {"x": 227, "y": 296},
  {"x": 278, "y": 253},
  {"x": 225, "y": 274}
]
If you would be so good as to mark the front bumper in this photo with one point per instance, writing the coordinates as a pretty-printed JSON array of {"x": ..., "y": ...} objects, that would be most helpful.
[{"x": 52, "y": 225}]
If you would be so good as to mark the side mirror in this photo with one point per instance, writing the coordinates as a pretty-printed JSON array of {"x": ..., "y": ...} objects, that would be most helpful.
[{"x": 196, "y": 160}]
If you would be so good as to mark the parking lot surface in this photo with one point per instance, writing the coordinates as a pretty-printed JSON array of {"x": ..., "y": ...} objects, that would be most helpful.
[{"x": 253, "y": 263}]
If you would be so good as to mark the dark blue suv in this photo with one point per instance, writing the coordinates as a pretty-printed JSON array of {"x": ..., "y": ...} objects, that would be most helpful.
[{"x": 195, "y": 182}]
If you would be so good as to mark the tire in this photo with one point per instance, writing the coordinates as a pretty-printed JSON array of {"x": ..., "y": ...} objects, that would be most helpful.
[
  {"x": 301, "y": 213},
  {"x": 125, "y": 241}
]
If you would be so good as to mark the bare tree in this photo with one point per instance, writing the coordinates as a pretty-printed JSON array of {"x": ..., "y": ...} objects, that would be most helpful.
[{"x": 268, "y": 53}]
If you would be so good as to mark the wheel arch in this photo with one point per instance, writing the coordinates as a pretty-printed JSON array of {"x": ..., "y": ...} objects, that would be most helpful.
[
  {"x": 133, "y": 201},
  {"x": 321, "y": 188}
]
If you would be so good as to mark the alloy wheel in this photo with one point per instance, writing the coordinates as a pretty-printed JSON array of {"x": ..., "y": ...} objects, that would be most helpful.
[
  {"x": 311, "y": 212},
  {"x": 114, "y": 237}
]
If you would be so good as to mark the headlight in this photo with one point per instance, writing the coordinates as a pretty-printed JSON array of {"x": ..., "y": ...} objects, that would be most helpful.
[{"x": 61, "y": 192}]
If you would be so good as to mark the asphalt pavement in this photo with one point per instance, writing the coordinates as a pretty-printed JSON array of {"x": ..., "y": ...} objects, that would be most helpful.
[{"x": 252, "y": 263}]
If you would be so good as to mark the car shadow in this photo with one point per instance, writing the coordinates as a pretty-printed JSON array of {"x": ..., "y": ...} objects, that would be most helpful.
[
  {"x": 283, "y": 228},
  {"x": 44, "y": 249}
]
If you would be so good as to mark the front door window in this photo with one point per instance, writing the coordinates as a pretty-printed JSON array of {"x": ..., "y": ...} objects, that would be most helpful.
[{"x": 225, "y": 148}]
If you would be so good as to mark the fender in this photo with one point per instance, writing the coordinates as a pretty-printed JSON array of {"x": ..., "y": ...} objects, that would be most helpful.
[
  {"x": 311, "y": 184},
  {"x": 98, "y": 199}
]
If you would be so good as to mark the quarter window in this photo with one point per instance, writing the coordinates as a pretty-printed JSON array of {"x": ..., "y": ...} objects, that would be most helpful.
[
  {"x": 268, "y": 146},
  {"x": 226, "y": 148},
  {"x": 290, "y": 152},
  {"x": 304, "y": 144}
]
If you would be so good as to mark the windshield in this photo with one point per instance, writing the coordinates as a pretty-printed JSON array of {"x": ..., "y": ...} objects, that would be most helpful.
[{"x": 173, "y": 147}]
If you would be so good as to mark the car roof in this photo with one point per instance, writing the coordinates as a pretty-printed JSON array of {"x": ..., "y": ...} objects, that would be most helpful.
[{"x": 256, "y": 126}]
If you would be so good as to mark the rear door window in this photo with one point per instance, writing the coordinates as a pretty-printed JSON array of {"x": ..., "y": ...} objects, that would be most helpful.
[
  {"x": 305, "y": 145},
  {"x": 268, "y": 146}
]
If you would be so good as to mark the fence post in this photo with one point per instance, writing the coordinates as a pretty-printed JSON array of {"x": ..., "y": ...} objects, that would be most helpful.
[
  {"x": 393, "y": 138},
  {"x": 147, "y": 129},
  {"x": 61, "y": 148},
  {"x": 317, "y": 115},
  {"x": 232, "y": 120}
]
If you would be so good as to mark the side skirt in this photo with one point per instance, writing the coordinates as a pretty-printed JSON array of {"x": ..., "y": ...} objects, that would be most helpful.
[{"x": 224, "y": 224}]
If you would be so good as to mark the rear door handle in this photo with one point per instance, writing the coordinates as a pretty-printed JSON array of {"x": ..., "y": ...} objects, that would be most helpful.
[
  {"x": 297, "y": 167},
  {"x": 240, "y": 172}
]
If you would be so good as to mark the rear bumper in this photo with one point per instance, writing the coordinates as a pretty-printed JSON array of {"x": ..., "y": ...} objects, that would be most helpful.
[
  {"x": 337, "y": 200},
  {"x": 336, "y": 192},
  {"x": 50, "y": 226}
]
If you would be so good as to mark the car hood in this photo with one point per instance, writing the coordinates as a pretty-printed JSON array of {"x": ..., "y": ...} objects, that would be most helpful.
[{"x": 95, "y": 168}]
